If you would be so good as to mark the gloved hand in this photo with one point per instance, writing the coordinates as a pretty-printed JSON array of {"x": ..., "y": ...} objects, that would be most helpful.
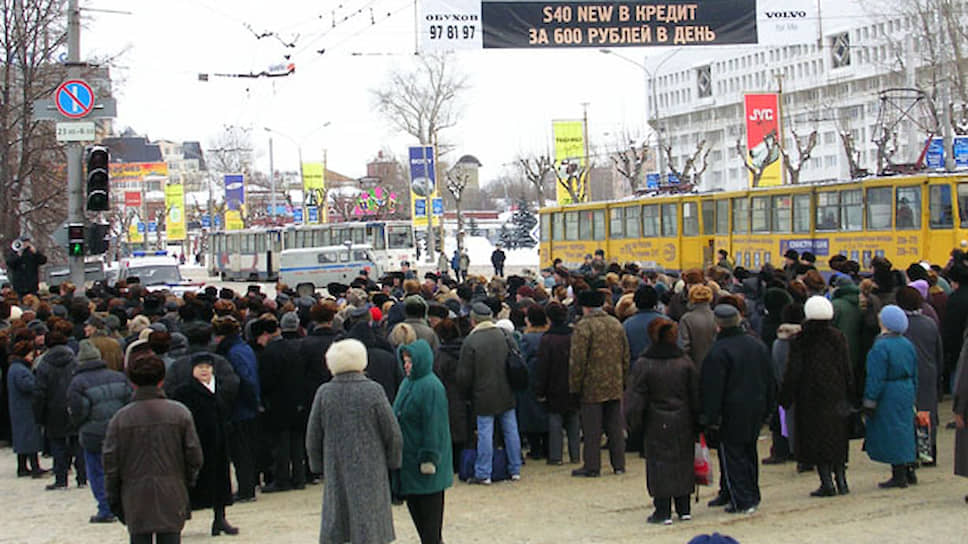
[{"x": 428, "y": 468}]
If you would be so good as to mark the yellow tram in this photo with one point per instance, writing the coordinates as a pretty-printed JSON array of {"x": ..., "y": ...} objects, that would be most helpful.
[{"x": 903, "y": 218}]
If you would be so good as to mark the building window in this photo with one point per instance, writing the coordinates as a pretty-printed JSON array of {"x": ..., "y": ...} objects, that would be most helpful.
[{"x": 840, "y": 50}]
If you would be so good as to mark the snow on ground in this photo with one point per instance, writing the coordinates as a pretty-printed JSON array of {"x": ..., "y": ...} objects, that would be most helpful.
[{"x": 479, "y": 249}]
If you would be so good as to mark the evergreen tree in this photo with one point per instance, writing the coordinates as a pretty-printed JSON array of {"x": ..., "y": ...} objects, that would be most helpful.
[
  {"x": 473, "y": 227},
  {"x": 524, "y": 222},
  {"x": 506, "y": 237}
]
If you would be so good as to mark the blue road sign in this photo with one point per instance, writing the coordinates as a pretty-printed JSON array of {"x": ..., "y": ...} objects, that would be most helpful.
[
  {"x": 652, "y": 181},
  {"x": 152, "y": 226},
  {"x": 420, "y": 207},
  {"x": 297, "y": 214},
  {"x": 74, "y": 99},
  {"x": 438, "y": 206},
  {"x": 673, "y": 179},
  {"x": 206, "y": 221},
  {"x": 313, "y": 213},
  {"x": 141, "y": 227}
]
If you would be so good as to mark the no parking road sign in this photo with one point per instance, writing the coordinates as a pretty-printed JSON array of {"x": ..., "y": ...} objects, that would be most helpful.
[{"x": 74, "y": 99}]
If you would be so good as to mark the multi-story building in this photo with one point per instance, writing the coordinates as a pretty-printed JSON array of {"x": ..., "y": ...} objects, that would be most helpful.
[{"x": 831, "y": 86}]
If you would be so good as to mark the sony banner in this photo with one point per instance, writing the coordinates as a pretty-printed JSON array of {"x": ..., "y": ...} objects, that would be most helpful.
[
  {"x": 763, "y": 139},
  {"x": 447, "y": 25}
]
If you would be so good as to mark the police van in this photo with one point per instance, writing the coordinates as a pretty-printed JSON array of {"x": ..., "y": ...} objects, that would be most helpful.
[
  {"x": 157, "y": 270},
  {"x": 320, "y": 266}
]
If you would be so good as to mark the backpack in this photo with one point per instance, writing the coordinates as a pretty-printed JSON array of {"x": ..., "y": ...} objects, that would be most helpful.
[{"x": 517, "y": 370}]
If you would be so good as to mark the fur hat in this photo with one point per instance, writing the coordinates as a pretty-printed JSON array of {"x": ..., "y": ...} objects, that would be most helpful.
[
  {"x": 87, "y": 352},
  {"x": 289, "y": 322},
  {"x": 700, "y": 293},
  {"x": 625, "y": 307},
  {"x": 138, "y": 324},
  {"x": 894, "y": 319},
  {"x": 692, "y": 276},
  {"x": 591, "y": 299},
  {"x": 415, "y": 306},
  {"x": 792, "y": 255},
  {"x": 346, "y": 356},
  {"x": 818, "y": 308}
]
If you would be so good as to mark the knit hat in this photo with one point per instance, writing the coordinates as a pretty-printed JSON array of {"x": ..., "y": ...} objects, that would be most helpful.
[
  {"x": 700, "y": 293},
  {"x": 346, "y": 356},
  {"x": 818, "y": 308},
  {"x": 376, "y": 315},
  {"x": 726, "y": 316},
  {"x": 894, "y": 319},
  {"x": 87, "y": 352},
  {"x": 481, "y": 312},
  {"x": 289, "y": 322},
  {"x": 921, "y": 286}
]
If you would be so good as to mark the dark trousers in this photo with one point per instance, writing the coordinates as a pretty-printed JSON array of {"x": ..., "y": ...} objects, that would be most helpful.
[
  {"x": 499, "y": 270},
  {"x": 663, "y": 506},
  {"x": 288, "y": 454},
  {"x": 158, "y": 538},
  {"x": 593, "y": 418},
  {"x": 242, "y": 453},
  {"x": 67, "y": 450},
  {"x": 741, "y": 472},
  {"x": 427, "y": 512}
]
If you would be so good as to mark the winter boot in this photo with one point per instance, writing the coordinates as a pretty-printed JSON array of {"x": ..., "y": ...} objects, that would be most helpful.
[
  {"x": 840, "y": 476},
  {"x": 912, "y": 477},
  {"x": 898, "y": 478},
  {"x": 826, "y": 482}
]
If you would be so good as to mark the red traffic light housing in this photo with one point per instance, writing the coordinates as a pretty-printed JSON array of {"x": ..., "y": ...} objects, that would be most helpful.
[{"x": 98, "y": 182}]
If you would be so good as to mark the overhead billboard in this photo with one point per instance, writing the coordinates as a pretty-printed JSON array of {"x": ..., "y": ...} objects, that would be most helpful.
[
  {"x": 129, "y": 176},
  {"x": 762, "y": 115},
  {"x": 447, "y": 25},
  {"x": 570, "y": 159}
]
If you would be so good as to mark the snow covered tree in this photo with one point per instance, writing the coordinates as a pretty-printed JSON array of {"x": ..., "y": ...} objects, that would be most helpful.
[
  {"x": 473, "y": 228},
  {"x": 506, "y": 237},
  {"x": 524, "y": 222}
]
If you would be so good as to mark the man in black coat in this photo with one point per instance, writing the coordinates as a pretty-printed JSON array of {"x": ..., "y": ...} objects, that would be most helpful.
[
  {"x": 381, "y": 365},
  {"x": 956, "y": 316},
  {"x": 23, "y": 267},
  {"x": 199, "y": 334},
  {"x": 54, "y": 373},
  {"x": 283, "y": 378},
  {"x": 313, "y": 347},
  {"x": 497, "y": 260},
  {"x": 738, "y": 393},
  {"x": 95, "y": 394}
]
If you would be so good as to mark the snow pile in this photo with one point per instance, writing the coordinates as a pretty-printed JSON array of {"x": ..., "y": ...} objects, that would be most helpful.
[{"x": 479, "y": 249}]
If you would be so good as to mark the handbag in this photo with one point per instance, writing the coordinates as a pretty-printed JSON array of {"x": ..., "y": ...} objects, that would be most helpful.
[
  {"x": 702, "y": 468},
  {"x": 516, "y": 370}
]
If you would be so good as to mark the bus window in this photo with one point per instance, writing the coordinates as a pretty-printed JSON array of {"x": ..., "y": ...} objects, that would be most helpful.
[
  {"x": 828, "y": 211},
  {"x": 585, "y": 225},
  {"x": 939, "y": 199},
  {"x": 670, "y": 220},
  {"x": 851, "y": 210},
  {"x": 359, "y": 235},
  {"x": 708, "y": 217},
  {"x": 722, "y": 217},
  {"x": 290, "y": 239},
  {"x": 879, "y": 208},
  {"x": 546, "y": 227},
  {"x": 598, "y": 224},
  {"x": 558, "y": 227},
  {"x": 233, "y": 243},
  {"x": 260, "y": 243},
  {"x": 632, "y": 225},
  {"x": 571, "y": 226},
  {"x": 741, "y": 216},
  {"x": 399, "y": 236},
  {"x": 801, "y": 214},
  {"x": 690, "y": 219},
  {"x": 782, "y": 206},
  {"x": 344, "y": 256},
  {"x": 377, "y": 236},
  {"x": 616, "y": 223},
  {"x": 908, "y": 208},
  {"x": 246, "y": 243},
  {"x": 963, "y": 204},
  {"x": 761, "y": 214},
  {"x": 650, "y": 221}
]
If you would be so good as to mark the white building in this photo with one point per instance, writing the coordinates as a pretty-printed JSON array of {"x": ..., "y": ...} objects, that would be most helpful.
[{"x": 830, "y": 85}]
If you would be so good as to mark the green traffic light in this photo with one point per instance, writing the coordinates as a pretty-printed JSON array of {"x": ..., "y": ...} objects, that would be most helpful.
[{"x": 76, "y": 249}]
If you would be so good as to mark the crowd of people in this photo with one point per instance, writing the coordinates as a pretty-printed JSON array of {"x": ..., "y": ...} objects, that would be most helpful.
[{"x": 387, "y": 388}]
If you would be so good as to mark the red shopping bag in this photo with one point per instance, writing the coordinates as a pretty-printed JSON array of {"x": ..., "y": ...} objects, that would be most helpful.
[{"x": 701, "y": 465}]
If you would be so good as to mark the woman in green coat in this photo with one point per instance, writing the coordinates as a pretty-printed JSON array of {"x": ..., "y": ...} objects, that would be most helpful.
[{"x": 421, "y": 410}]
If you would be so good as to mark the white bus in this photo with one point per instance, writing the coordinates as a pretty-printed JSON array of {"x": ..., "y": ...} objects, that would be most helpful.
[{"x": 391, "y": 242}]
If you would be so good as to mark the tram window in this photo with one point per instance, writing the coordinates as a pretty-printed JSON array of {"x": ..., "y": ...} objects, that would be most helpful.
[
  {"x": 782, "y": 208},
  {"x": 290, "y": 238},
  {"x": 722, "y": 217},
  {"x": 708, "y": 217},
  {"x": 598, "y": 224},
  {"x": 828, "y": 211},
  {"x": 690, "y": 219},
  {"x": 545, "y": 227},
  {"x": 761, "y": 214},
  {"x": 670, "y": 225},
  {"x": 399, "y": 237},
  {"x": 741, "y": 216},
  {"x": 650, "y": 221},
  {"x": 879, "y": 208},
  {"x": 377, "y": 236},
  {"x": 585, "y": 225},
  {"x": 963, "y": 204},
  {"x": 801, "y": 213},
  {"x": 632, "y": 225},
  {"x": 939, "y": 198},
  {"x": 851, "y": 210},
  {"x": 571, "y": 226},
  {"x": 908, "y": 208},
  {"x": 558, "y": 227},
  {"x": 616, "y": 222}
]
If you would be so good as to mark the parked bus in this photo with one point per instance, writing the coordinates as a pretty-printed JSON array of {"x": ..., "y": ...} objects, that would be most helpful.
[
  {"x": 248, "y": 254},
  {"x": 905, "y": 219}
]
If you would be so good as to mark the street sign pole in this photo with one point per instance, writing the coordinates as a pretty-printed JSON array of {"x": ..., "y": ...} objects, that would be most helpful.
[{"x": 75, "y": 181}]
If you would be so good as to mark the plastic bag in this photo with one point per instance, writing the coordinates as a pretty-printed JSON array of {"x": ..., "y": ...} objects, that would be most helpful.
[{"x": 702, "y": 468}]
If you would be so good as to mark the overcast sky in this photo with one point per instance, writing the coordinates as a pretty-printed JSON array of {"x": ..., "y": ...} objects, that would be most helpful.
[{"x": 514, "y": 94}]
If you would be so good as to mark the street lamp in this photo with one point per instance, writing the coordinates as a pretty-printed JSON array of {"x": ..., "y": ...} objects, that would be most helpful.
[
  {"x": 651, "y": 74},
  {"x": 298, "y": 144}
]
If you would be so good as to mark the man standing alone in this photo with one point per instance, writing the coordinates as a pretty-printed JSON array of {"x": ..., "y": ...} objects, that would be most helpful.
[
  {"x": 497, "y": 259},
  {"x": 23, "y": 263},
  {"x": 597, "y": 369}
]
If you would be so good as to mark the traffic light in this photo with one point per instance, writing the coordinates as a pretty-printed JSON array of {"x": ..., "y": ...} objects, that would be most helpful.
[
  {"x": 75, "y": 240},
  {"x": 97, "y": 238},
  {"x": 98, "y": 159}
]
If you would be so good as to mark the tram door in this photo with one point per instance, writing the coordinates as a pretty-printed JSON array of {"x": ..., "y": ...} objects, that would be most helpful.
[{"x": 273, "y": 248}]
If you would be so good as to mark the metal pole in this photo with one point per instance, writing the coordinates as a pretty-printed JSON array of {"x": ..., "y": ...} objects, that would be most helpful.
[
  {"x": 272, "y": 183},
  {"x": 302, "y": 181},
  {"x": 75, "y": 181},
  {"x": 429, "y": 203},
  {"x": 210, "y": 240},
  {"x": 583, "y": 185}
]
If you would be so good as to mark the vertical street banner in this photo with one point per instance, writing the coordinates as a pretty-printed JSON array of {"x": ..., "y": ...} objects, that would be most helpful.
[
  {"x": 175, "y": 212},
  {"x": 570, "y": 160},
  {"x": 314, "y": 192},
  {"x": 135, "y": 236},
  {"x": 234, "y": 201},
  {"x": 424, "y": 197},
  {"x": 763, "y": 133}
]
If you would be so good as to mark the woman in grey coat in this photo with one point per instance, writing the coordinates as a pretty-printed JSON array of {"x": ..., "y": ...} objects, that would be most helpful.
[
  {"x": 27, "y": 440},
  {"x": 350, "y": 414}
]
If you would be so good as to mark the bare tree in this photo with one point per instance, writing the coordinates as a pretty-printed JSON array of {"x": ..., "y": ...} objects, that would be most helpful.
[
  {"x": 537, "y": 170},
  {"x": 756, "y": 170},
  {"x": 804, "y": 149},
  {"x": 424, "y": 102},
  {"x": 629, "y": 163},
  {"x": 457, "y": 178},
  {"x": 691, "y": 171},
  {"x": 573, "y": 177}
]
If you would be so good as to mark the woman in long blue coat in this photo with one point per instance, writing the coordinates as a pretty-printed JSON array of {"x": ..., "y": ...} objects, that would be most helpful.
[
  {"x": 27, "y": 440},
  {"x": 889, "y": 398}
]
